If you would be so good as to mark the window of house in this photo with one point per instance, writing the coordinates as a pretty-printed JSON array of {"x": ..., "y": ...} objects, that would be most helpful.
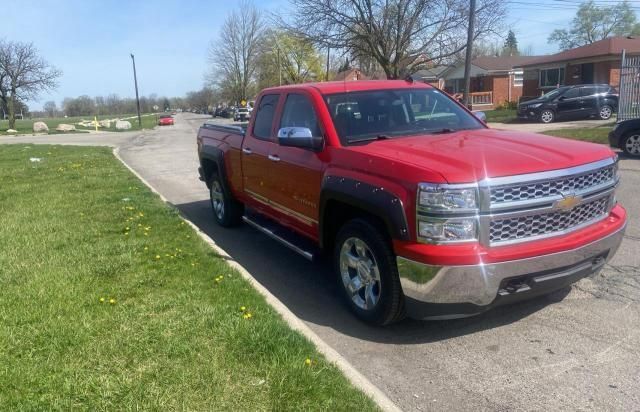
[
  {"x": 518, "y": 78},
  {"x": 551, "y": 77}
]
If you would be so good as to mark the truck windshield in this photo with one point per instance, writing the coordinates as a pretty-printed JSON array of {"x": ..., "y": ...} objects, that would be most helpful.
[{"x": 380, "y": 114}]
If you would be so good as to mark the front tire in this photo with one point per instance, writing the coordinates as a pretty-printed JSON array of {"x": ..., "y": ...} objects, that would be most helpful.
[
  {"x": 226, "y": 210},
  {"x": 368, "y": 274},
  {"x": 605, "y": 112},
  {"x": 547, "y": 116},
  {"x": 631, "y": 144}
]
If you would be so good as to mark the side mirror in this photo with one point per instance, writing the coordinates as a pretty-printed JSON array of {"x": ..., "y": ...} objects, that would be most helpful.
[
  {"x": 482, "y": 116},
  {"x": 300, "y": 137},
  {"x": 561, "y": 98}
]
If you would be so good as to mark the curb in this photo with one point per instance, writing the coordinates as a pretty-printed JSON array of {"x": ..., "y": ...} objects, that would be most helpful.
[{"x": 356, "y": 378}]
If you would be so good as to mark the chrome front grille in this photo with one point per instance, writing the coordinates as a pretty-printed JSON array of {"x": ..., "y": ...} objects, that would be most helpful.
[
  {"x": 549, "y": 188},
  {"x": 528, "y": 227}
]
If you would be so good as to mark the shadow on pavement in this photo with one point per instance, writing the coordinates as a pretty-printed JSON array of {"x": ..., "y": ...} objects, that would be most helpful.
[{"x": 309, "y": 289}]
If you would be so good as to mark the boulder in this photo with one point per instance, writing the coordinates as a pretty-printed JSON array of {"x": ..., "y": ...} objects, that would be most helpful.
[
  {"x": 105, "y": 123},
  {"x": 123, "y": 125},
  {"x": 12, "y": 131},
  {"x": 40, "y": 127},
  {"x": 63, "y": 127}
]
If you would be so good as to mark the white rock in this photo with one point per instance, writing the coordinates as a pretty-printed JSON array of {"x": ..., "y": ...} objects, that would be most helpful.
[
  {"x": 35, "y": 159},
  {"x": 123, "y": 125},
  {"x": 105, "y": 123},
  {"x": 63, "y": 127},
  {"x": 40, "y": 127},
  {"x": 12, "y": 131}
]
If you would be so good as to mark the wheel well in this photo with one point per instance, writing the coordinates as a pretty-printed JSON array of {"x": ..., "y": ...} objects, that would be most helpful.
[
  {"x": 209, "y": 167},
  {"x": 337, "y": 213}
]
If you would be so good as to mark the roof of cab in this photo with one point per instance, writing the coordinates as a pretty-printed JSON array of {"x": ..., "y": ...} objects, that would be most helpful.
[{"x": 353, "y": 86}]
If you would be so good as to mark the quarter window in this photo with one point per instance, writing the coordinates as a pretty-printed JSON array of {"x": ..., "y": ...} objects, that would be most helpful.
[
  {"x": 551, "y": 77},
  {"x": 264, "y": 116}
]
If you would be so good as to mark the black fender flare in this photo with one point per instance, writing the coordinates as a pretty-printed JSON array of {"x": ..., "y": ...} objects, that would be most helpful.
[
  {"x": 216, "y": 155},
  {"x": 370, "y": 198}
]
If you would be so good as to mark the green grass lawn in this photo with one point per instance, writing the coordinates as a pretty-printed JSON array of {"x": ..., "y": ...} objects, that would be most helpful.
[
  {"x": 149, "y": 121},
  {"x": 588, "y": 134},
  {"x": 110, "y": 302},
  {"x": 502, "y": 116}
]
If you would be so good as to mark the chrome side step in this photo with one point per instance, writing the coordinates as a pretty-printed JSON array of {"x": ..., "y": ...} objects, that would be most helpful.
[{"x": 290, "y": 240}]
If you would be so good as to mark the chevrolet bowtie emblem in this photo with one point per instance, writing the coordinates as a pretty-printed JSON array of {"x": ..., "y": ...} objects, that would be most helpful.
[{"x": 568, "y": 202}]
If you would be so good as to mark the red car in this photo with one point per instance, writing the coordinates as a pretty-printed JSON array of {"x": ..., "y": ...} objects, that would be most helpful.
[
  {"x": 165, "y": 120},
  {"x": 424, "y": 209}
]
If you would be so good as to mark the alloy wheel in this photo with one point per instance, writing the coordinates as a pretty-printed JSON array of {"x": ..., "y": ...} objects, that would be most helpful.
[
  {"x": 360, "y": 273},
  {"x": 546, "y": 116},
  {"x": 632, "y": 145},
  {"x": 217, "y": 199},
  {"x": 605, "y": 112}
]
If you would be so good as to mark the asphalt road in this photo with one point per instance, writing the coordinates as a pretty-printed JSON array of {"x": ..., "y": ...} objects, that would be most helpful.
[{"x": 577, "y": 349}]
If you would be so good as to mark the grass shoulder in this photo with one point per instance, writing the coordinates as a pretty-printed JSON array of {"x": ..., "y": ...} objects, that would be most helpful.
[
  {"x": 110, "y": 301},
  {"x": 587, "y": 134}
]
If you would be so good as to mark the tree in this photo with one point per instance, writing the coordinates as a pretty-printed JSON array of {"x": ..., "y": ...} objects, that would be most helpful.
[
  {"x": 165, "y": 104},
  {"x": 510, "y": 47},
  {"x": 402, "y": 36},
  {"x": 596, "y": 22},
  {"x": 24, "y": 75},
  {"x": 286, "y": 56},
  {"x": 50, "y": 108},
  {"x": 234, "y": 56}
]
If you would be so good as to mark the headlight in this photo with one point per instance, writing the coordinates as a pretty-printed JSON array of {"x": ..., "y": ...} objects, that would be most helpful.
[
  {"x": 535, "y": 106},
  {"x": 442, "y": 199},
  {"x": 435, "y": 230}
]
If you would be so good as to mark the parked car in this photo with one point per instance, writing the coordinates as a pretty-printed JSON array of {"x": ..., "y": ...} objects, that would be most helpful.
[
  {"x": 165, "y": 120},
  {"x": 241, "y": 114},
  {"x": 626, "y": 136},
  {"x": 423, "y": 209},
  {"x": 571, "y": 102}
]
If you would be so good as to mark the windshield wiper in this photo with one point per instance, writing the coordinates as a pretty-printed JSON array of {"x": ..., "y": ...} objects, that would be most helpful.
[
  {"x": 442, "y": 131},
  {"x": 369, "y": 139}
]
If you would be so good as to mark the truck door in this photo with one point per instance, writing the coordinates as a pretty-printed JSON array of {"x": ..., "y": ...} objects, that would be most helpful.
[
  {"x": 298, "y": 171},
  {"x": 258, "y": 144}
]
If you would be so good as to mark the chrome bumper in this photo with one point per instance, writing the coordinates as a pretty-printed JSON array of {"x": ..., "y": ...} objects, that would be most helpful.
[{"x": 459, "y": 291}]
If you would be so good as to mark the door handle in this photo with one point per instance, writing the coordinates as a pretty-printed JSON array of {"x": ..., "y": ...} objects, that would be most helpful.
[
  {"x": 274, "y": 158},
  {"x": 246, "y": 150}
]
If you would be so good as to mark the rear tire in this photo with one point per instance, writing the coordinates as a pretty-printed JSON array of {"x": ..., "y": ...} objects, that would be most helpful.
[
  {"x": 605, "y": 112},
  {"x": 226, "y": 210},
  {"x": 631, "y": 144},
  {"x": 547, "y": 116},
  {"x": 368, "y": 274}
]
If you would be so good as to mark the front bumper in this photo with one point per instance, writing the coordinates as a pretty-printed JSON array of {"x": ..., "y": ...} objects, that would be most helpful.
[
  {"x": 528, "y": 114},
  {"x": 447, "y": 292}
]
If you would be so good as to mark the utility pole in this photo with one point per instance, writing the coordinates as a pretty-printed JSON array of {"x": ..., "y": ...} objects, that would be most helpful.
[
  {"x": 279, "y": 69},
  {"x": 467, "y": 60},
  {"x": 135, "y": 80},
  {"x": 328, "y": 51}
]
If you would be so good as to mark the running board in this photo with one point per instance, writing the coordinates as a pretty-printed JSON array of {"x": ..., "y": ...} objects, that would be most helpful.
[{"x": 276, "y": 232}]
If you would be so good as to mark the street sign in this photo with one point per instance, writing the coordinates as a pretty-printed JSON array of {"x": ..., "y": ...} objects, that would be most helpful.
[{"x": 243, "y": 103}]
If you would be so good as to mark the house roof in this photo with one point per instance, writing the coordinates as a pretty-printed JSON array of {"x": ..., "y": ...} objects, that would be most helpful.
[
  {"x": 608, "y": 47},
  {"x": 430, "y": 73},
  {"x": 504, "y": 63},
  {"x": 349, "y": 73}
]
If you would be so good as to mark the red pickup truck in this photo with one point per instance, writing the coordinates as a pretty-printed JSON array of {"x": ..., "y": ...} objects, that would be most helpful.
[{"x": 424, "y": 210}]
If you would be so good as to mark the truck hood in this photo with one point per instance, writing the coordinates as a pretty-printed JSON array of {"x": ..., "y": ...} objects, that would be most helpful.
[{"x": 472, "y": 155}]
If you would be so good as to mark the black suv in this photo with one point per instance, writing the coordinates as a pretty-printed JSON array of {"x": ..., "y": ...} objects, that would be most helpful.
[{"x": 570, "y": 102}]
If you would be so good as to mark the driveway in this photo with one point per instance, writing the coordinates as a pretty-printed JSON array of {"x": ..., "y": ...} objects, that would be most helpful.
[
  {"x": 573, "y": 350},
  {"x": 543, "y": 127}
]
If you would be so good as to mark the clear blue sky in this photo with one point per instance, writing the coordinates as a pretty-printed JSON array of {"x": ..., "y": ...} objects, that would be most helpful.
[{"x": 90, "y": 41}]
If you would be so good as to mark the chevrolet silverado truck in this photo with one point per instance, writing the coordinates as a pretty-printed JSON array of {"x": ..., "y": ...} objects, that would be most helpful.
[{"x": 423, "y": 209}]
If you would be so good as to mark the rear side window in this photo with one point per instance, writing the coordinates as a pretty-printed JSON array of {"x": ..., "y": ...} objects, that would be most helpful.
[
  {"x": 589, "y": 91},
  {"x": 298, "y": 112},
  {"x": 264, "y": 116}
]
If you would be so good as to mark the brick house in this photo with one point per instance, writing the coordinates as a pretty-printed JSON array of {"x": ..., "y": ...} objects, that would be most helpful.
[
  {"x": 597, "y": 62},
  {"x": 432, "y": 76},
  {"x": 494, "y": 80},
  {"x": 350, "y": 75}
]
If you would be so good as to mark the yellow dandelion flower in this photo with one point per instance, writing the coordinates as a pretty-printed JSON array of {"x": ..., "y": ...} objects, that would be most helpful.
[
  {"x": 157, "y": 256},
  {"x": 146, "y": 248},
  {"x": 112, "y": 301},
  {"x": 242, "y": 308},
  {"x": 307, "y": 362},
  {"x": 101, "y": 300},
  {"x": 249, "y": 315}
]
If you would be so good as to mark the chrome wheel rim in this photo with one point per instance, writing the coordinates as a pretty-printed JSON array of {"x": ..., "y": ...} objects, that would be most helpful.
[
  {"x": 605, "y": 112},
  {"x": 546, "y": 116},
  {"x": 217, "y": 199},
  {"x": 360, "y": 273},
  {"x": 632, "y": 145}
]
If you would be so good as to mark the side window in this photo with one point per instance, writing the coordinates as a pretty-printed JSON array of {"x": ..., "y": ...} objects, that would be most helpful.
[
  {"x": 572, "y": 93},
  {"x": 264, "y": 116},
  {"x": 588, "y": 91},
  {"x": 298, "y": 112}
]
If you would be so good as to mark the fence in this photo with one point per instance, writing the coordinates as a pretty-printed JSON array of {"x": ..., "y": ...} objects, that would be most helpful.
[
  {"x": 629, "y": 101},
  {"x": 481, "y": 98}
]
